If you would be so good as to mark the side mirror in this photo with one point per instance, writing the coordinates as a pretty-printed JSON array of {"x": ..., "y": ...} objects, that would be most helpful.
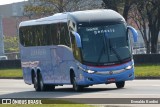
[
  {"x": 134, "y": 32},
  {"x": 78, "y": 39}
]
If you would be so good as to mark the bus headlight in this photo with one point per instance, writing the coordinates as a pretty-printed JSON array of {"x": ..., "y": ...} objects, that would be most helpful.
[
  {"x": 90, "y": 71},
  {"x": 129, "y": 67}
]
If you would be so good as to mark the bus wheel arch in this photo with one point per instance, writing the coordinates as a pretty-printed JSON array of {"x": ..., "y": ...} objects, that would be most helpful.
[
  {"x": 72, "y": 75},
  {"x": 76, "y": 87}
]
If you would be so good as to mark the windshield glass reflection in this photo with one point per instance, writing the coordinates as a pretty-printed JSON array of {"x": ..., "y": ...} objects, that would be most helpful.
[{"x": 105, "y": 44}]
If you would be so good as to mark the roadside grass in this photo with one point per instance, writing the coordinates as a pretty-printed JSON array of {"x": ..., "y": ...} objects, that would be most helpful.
[
  {"x": 143, "y": 70},
  {"x": 147, "y": 70},
  {"x": 11, "y": 72}
]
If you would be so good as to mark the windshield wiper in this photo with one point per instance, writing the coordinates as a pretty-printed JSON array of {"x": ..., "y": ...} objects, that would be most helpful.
[
  {"x": 101, "y": 53},
  {"x": 100, "y": 56},
  {"x": 114, "y": 51}
]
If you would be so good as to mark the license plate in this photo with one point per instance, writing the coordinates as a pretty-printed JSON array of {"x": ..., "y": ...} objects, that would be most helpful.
[{"x": 111, "y": 80}]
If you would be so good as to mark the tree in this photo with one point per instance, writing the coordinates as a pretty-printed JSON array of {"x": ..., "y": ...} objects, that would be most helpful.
[
  {"x": 153, "y": 15},
  {"x": 43, "y": 8},
  {"x": 149, "y": 12},
  {"x": 11, "y": 44},
  {"x": 121, "y": 6},
  {"x": 138, "y": 16},
  {"x": 147, "y": 9}
]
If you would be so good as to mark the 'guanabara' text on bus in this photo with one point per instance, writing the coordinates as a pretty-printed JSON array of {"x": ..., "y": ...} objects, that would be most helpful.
[{"x": 80, "y": 48}]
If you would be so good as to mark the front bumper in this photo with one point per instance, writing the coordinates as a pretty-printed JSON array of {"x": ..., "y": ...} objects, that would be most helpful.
[{"x": 105, "y": 77}]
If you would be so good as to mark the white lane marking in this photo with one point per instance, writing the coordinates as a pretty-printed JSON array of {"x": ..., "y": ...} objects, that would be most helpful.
[
  {"x": 122, "y": 94},
  {"x": 156, "y": 85}
]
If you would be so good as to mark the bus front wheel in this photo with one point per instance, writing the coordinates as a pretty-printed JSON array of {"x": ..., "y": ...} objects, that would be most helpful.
[
  {"x": 120, "y": 84},
  {"x": 76, "y": 87}
]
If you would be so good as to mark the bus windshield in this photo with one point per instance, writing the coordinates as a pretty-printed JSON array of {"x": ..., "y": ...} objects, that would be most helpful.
[{"x": 105, "y": 45}]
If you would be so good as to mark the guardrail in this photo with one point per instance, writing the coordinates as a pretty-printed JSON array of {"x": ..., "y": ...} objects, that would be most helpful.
[
  {"x": 146, "y": 58},
  {"x": 4, "y": 64}
]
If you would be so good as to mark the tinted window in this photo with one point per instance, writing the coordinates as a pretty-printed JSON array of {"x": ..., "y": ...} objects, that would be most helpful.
[
  {"x": 104, "y": 44},
  {"x": 42, "y": 35}
]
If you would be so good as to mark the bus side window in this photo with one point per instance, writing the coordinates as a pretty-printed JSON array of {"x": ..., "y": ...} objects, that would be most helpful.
[
  {"x": 21, "y": 36},
  {"x": 64, "y": 38},
  {"x": 36, "y": 35},
  {"x": 32, "y": 36},
  {"x": 46, "y": 35},
  {"x": 54, "y": 34},
  {"x": 27, "y": 36}
]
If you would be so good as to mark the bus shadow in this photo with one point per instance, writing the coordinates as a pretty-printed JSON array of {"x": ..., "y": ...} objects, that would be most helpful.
[
  {"x": 57, "y": 93},
  {"x": 87, "y": 90}
]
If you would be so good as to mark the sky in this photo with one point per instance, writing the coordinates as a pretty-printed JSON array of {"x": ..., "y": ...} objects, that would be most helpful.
[{"x": 3, "y": 2}]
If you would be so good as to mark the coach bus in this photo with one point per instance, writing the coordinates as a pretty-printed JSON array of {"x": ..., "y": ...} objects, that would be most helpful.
[{"x": 81, "y": 48}]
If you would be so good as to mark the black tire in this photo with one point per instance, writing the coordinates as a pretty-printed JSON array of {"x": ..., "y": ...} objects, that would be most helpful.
[
  {"x": 45, "y": 87},
  {"x": 36, "y": 83},
  {"x": 76, "y": 87},
  {"x": 120, "y": 84},
  {"x": 41, "y": 84}
]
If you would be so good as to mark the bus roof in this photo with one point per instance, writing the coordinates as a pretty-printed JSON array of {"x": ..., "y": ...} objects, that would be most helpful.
[
  {"x": 78, "y": 16},
  {"x": 99, "y": 15},
  {"x": 59, "y": 17}
]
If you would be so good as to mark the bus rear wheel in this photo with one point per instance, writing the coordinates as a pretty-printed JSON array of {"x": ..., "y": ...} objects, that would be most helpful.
[
  {"x": 45, "y": 87},
  {"x": 120, "y": 84},
  {"x": 36, "y": 83},
  {"x": 40, "y": 86}
]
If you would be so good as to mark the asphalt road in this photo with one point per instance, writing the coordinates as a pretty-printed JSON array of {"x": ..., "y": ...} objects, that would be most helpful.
[{"x": 10, "y": 88}]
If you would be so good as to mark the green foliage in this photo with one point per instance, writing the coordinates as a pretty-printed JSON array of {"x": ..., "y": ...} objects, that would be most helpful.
[{"x": 11, "y": 44}]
